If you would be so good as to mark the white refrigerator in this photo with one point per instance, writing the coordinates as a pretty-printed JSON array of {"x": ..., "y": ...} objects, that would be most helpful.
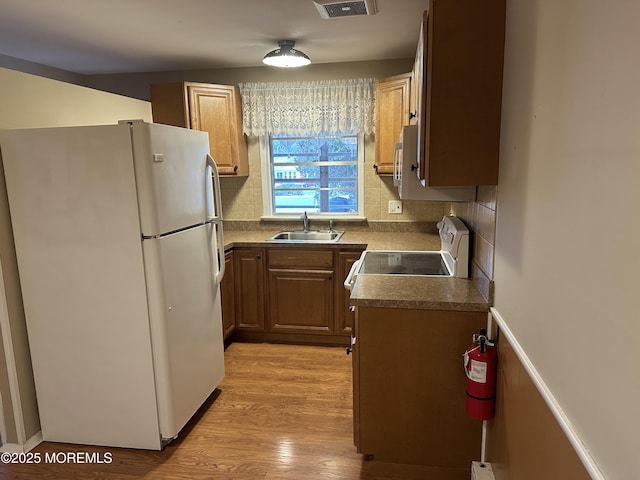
[{"x": 118, "y": 233}]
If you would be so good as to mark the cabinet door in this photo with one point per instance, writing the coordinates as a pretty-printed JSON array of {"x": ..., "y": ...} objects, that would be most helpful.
[
  {"x": 410, "y": 394},
  {"x": 392, "y": 113},
  {"x": 216, "y": 109},
  {"x": 228, "y": 296},
  {"x": 419, "y": 94},
  {"x": 169, "y": 104},
  {"x": 461, "y": 59},
  {"x": 344, "y": 316},
  {"x": 248, "y": 265},
  {"x": 301, "y": 301}
]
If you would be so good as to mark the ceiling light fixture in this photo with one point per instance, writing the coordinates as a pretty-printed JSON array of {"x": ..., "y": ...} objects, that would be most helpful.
[{"x": 286, "y": 56}]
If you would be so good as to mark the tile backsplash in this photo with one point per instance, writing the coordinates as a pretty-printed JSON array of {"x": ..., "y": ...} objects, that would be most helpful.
[{"x": 480, "y": 217}]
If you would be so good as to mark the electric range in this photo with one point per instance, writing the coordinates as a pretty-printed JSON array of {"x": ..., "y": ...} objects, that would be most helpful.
[{"x": 452, "y": 260}]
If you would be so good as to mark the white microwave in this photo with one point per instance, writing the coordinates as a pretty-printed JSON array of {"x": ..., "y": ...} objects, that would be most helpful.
[{"x": 405, "y": 175}]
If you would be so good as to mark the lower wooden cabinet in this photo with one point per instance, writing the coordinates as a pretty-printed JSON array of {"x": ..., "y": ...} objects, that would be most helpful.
[
  {"x": 300, "y": 291},
  {"x": 409, "y": 387},
  {"x": 301, "y": 301},
  {"x": 293, "y": 294},
  {"x": 248, "y": 265},
  {"x": 227, "y": 292}
]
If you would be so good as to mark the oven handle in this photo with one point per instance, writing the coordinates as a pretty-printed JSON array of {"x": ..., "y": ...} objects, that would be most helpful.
[{"x": 351, "y": 278}]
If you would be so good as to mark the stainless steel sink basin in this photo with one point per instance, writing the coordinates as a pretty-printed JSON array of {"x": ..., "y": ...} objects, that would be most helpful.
[{"x": 310, "y": 236}]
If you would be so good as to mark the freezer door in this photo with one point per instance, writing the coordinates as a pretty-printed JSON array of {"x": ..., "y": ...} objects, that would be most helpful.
[
  {"x": 171, "y": 176},
  {"x": 186, "y": 322}
]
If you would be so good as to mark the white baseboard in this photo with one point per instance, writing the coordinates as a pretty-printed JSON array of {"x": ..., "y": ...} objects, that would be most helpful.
[{"x": 29, "y": 445}]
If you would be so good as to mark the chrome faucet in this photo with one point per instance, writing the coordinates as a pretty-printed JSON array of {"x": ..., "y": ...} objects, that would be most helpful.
[
  {"x": 305, "y": 221},
  {"x": 330, "y": 225}
]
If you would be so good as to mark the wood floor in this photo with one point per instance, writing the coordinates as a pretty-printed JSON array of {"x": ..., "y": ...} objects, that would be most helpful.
[{"x": 282, "y": 412}]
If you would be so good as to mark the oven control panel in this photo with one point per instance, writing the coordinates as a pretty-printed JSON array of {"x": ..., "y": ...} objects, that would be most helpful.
[{"x": 454, "y": 239}]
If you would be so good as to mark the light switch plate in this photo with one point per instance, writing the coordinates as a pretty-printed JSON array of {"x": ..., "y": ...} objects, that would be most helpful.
[{"x": 395, "y": 206}]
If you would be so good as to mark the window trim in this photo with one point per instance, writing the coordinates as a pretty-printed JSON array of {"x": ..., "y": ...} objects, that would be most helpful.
[{"x": 267, "y": 194}]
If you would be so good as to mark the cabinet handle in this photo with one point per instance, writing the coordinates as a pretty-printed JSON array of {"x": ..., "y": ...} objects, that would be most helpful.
[
  {"x": 414, "y": 168},
  {"x": 235, "y": 168},
  {"x": 375, "y": 167},
  {"x": 412, "y": 115},
  {"x": 352, "y": 342},
  {"x": 329, "y": 278},
  {"x": 258, "y": 257}
]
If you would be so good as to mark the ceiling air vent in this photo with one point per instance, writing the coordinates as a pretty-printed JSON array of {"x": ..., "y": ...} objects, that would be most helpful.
[{"x": 334, "y": 9}]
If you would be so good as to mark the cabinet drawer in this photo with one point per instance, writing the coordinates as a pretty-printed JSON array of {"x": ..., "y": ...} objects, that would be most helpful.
[{"x": 290, "y": 258}]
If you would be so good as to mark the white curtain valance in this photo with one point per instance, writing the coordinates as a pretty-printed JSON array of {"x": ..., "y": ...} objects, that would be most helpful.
[{"x": 309, "y": 108}]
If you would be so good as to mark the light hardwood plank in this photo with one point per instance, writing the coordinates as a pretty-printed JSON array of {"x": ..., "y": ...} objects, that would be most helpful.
[{"x": 283, "y": 412}]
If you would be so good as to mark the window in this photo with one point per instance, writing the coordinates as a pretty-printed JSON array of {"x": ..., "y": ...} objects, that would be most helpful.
[
  {"x": 302, "y": 170},
  {"x": 320, "y": 174}
]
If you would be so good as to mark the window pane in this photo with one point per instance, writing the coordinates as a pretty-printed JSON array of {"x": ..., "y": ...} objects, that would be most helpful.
[
  {"x": 344, "y": 201},
  {"x": 316, "y": 174},
  {"x": 292, "y": 201}
]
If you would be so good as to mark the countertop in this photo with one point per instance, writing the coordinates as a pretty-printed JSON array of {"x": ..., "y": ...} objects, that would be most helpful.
[
  {"x": 356, "y": 239},
  {"x": 395, "y": 291},
  {"x": 421, "y": 293}
]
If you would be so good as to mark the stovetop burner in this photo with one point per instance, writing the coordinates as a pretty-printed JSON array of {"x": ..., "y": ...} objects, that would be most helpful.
[{"x": 403, "y": 263}]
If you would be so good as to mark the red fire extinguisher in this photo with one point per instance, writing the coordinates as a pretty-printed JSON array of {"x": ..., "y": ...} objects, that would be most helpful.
[{"x": 480, "y": 362}]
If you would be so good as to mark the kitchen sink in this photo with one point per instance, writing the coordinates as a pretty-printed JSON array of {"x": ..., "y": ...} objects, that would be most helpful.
[{"x": 307, "y": 236}]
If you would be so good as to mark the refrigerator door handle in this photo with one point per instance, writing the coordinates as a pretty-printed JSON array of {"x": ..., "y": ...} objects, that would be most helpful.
[
  {"x": 214, "y": 205},
  {"x": 214, "y": 212}
]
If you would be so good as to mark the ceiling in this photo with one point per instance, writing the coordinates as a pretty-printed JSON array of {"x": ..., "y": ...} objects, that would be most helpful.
[{"x": 118, "y": 36}]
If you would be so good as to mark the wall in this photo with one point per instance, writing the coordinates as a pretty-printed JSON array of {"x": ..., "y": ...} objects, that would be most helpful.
[
  {"x": 566, "y": 256},
  {"x": 30, "y": 101},
  {"x": 242, "y": 197}
]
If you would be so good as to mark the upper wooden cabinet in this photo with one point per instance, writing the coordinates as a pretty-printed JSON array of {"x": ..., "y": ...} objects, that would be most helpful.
[
  {"x": 215, "y": 109},
  {"x": 392, "y": 113},
  {"x": 458, "y": 75}
]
